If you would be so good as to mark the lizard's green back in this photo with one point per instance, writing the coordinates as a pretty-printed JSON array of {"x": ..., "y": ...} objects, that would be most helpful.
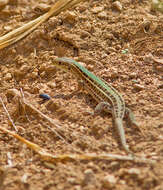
[{"x": 102, "y": 86}]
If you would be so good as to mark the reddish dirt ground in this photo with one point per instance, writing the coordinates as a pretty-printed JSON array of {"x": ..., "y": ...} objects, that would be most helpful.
[{"x": 119, "y": 42}]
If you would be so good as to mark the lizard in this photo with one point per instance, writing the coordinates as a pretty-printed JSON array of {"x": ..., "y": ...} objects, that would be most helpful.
[{"x": 107, "y": 97}]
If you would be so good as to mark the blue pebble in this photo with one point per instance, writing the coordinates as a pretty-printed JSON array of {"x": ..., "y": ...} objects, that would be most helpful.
[{"x": 45, "y": 96}]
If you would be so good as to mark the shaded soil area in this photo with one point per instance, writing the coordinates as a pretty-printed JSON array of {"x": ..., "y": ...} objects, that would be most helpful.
[{"x": 121, "y": 42}]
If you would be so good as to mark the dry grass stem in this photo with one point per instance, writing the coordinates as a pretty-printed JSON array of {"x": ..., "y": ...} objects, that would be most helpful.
[
  {"x": 23, "y": 31},
  {"x": 50, "y": 120},
  {"x": 8, "y": 115},
  {"x": 70, "y": 157}
]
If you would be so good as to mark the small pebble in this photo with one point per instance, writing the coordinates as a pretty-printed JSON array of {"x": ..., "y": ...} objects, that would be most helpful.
[
  {"x": 84, "y": 34},
  {"x": 97, "y": 9},
  {"x": 122, "y": 182},
  {"x": 89, "y": 177},
  {"x": 13, "y": 92},
  {"x": 138, "y": 87},
  {"x": 160, "y": 137},
  {"x": 33, "y": 75},
  {"x": 109, "y": 181},
  {"x": 49, "y": 165},
  {"x": 8, "y": 76},
  {"x": 115, "y": 165},
  {"x": 111, "y": 49},
  {"x": 8, "y": 28},
  {"x": 51, "y": 84},
  {"x": 72, "y": 180},
  {"x": 161, "y": 124},
  {"x": 102, "y": 15},
  {"x": 133, "y": 75},
  {"x": 109, "y": 36},
  {"x": 117, "y": 5},
  {"x": 70, "y": 17},
  {"x": 118, "y": 47},
  {"x": 25, "y": 68},
  {"x": 134, "y": 171},
  {"x": 114, "y": 75}
]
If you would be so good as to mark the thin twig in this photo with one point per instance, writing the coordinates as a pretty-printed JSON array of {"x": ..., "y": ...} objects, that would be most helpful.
[
  {"x": 24, "y": 30},
  {"x": 50, "y": 120},
  {"x": 8, "y": 115},
  {"x": 22, "y": 95},
  {"x": 9, "y": 160},
  {"x": 70, "y": 157},
  {"x": 57, "y": 134}
]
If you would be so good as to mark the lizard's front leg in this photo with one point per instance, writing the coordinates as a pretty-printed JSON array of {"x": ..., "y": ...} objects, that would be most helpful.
[{"x": 103, "y": 106}]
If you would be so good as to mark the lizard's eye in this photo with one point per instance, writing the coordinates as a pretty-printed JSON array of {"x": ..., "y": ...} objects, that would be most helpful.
[{"x": 59, "y": 63}]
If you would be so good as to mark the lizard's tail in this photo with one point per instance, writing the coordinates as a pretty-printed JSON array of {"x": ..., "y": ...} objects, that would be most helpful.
[{"x": 119, "y": 125}]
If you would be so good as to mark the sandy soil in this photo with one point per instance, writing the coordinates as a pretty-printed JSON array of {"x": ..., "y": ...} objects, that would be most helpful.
[{"x": 120, "y": 42}]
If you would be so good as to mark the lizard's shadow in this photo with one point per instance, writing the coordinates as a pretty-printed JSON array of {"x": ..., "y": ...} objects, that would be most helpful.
[{"x": 81, "y": 95}]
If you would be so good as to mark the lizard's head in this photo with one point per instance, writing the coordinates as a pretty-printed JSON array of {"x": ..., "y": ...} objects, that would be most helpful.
[{"x": 64, "y": 63}]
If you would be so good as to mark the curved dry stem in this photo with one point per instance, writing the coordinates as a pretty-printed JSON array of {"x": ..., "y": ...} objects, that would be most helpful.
[{"x": 24, "y": 30}]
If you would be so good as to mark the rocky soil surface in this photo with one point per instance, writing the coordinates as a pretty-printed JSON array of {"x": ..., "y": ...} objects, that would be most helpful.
[{"x": 119, "y": 41}]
